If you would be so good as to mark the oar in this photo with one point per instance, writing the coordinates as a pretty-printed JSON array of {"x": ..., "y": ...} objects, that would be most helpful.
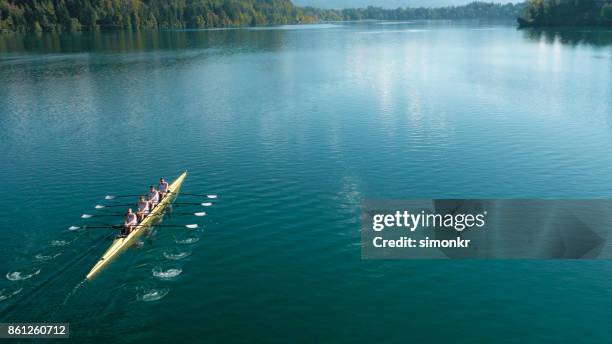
[
  {"x": 205, "y": 204},
  {"x": 87, "y": 216},
  {"x": 212, "y": 196},
  {"x": 102, "y": 206},
  {"x": 103, "y": 225},
  {"x": 190, "y": 226},
  {"x": 109, "y": 197}
]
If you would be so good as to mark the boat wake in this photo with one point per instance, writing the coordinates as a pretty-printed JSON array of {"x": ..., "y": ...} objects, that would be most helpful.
[
  {"x": 188, "y": 240},
  {"x": 20, "y": 275},
  {"x": 174, "y": 254},
  {"x": 166, "y": 274},
  {"x": 7, "y": 294},
  {"x": 59, "y": 242},
  {"x": 43, "y": 258},
  {"x": 151, "y": 294},
  {"x": 64, "y": 267},
  {"x": 67, "y": 297}
]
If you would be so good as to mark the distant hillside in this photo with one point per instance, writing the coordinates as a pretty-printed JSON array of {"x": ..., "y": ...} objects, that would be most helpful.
[
  {"x": 78, "y": 15},
  {"x": 542, "y": 13},
  {"x": 387, "y": 4},
  {"x": 474, "y": 10}
]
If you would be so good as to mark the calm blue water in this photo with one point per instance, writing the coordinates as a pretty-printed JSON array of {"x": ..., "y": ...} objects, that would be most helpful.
[{"x": 293, "y": 127}]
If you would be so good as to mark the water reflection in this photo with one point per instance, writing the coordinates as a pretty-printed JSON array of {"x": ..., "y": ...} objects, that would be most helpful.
[
  {"x": 143, "y": 41},
  {"x": 124, "y": 51},
  {"x": 574, "y": 37}
]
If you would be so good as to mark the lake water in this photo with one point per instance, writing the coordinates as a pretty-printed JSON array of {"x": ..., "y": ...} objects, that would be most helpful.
[{"x": 292, "y": 127}]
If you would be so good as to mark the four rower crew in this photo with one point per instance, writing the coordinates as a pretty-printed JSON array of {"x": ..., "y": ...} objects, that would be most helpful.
[{"x": 145, "y": 206}]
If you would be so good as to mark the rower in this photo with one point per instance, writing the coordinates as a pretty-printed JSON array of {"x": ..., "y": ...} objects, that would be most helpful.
[
  {"x": 143, "y": 208},
  {"x": 163, "y": 188},
  {"x": 130, "y": 222},
  {"x": 152, "y": 197}
]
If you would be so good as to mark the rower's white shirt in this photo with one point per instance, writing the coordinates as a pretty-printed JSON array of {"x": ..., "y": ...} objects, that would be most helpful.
[
  {"x": 163, "y": 187},
  {"x": 130, "y": 219},
  {"x": 153, "y": 196},
  {"x": 143, "y": 206}
]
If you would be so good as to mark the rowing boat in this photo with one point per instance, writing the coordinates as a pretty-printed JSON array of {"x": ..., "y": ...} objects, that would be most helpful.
[{"x": 121, "y": 243}]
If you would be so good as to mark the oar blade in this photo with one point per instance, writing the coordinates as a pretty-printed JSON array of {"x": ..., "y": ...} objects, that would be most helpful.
[
  {"x": 73, "y": 228},
  {"x": 200, "y": 214},
  {"x": 99, "y": 206},
  {"x": 206, "y": 204},
  {"x": 212, "y": 196},
  {"x": 109, "y": 197},
  {"x": 192, "y": 226},
  {"x": 86, "y": 216}
]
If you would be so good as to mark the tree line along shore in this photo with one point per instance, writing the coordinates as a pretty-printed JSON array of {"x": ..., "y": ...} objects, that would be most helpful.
[
  {"x": 555, "y": 13},
  {"x": 81, "y": 15},
  {"x": 85, "y": 15}
]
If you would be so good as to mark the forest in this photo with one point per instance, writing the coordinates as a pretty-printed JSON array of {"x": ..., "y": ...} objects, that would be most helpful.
[
  {"x": 77, "y": 15},
  {"x": 474, "y": 10},
  {"x": 547, "y": 13},
  {"x": 80, "y": 15}
]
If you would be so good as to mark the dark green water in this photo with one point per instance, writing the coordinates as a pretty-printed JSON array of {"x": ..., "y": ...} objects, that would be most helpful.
[{"x": 293, "y": 127}]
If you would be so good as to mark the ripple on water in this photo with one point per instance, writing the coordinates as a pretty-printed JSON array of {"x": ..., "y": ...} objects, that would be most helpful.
[
  {"x": 58, "y": 242},
  {"x": 176, "y": 254},
  {"x": 6, "y": 294},
  {"x": 188, "y": 240},
  {"x": 152, "y": 294},
  {"x": 166, "y": 274},
  {"x": 46, "y": 257},
  {"x": 22, "y": 275}
]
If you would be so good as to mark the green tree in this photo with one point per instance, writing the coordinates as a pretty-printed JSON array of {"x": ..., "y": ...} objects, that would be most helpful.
[{"x": 566, "y": 13}]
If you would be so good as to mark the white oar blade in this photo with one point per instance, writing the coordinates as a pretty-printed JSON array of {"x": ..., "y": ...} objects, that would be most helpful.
[
  {"x": 192, "y": 226},
  {"x": 98, "y": 206},
  {"x": 206, "y": 204},
  {"x": 109, "y": 197},
  {"x": 73, "y": 228},
  {"x": 86, "y": 216},
  {"x": 200, "y": 214},
  {"x": 212, "y": 196}
]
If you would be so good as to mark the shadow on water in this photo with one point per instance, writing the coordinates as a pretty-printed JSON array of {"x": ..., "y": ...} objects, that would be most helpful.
[
  {"x": 570, "y": 36},
  {"x": 143, "y": 41}
]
